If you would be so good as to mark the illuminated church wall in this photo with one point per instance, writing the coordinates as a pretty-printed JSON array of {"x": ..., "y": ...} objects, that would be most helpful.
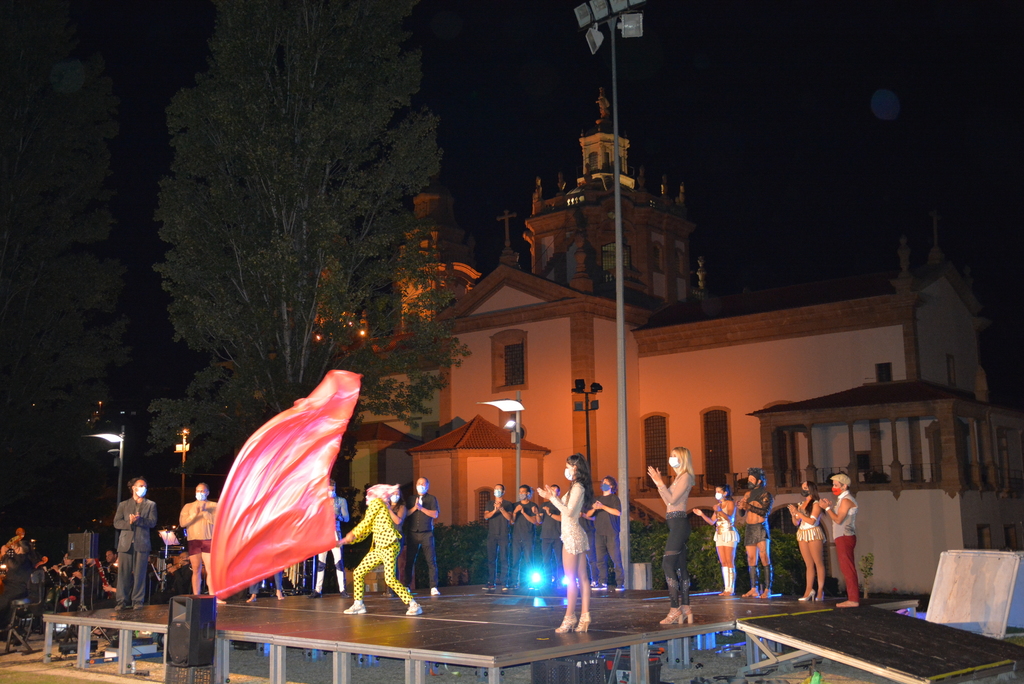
[{"x": 745, "y": 378}]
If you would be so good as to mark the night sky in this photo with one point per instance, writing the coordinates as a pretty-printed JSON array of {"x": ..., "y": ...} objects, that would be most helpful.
[{"x": 809, "y": 135}]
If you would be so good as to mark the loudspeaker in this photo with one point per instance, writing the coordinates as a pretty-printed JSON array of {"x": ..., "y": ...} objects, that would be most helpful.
[
  {"x": 191, "y": 630},
  {"x": 84, "y": 545}
]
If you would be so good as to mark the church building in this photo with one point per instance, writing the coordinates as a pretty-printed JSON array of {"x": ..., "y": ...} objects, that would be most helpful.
[{"x": 876, "y": 376}]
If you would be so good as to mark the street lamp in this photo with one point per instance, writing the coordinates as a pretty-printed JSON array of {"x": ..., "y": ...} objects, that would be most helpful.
[
  {"x": 590, "y": 16},
  {"x": 580, "y": 387},
  {"x": 512, "y": 406},
  {"x": 183, "y": 450},
  {"x": 119, "y": 439}
]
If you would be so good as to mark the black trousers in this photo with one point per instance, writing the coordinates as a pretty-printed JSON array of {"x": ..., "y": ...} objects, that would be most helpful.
[
  {"x": 413, "y": 542},
  {"x": 522, "y": 549},
  {"x": 608, "y": 547},
  {"x": 551, "y": 557},
  {"x": 674, "y": 561},
  {"x": 497, "y": 559},
  {"x": 132, "y": 569}
]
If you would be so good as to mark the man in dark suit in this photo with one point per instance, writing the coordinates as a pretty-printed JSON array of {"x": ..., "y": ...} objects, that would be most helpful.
[{"x": 135, "y": 518}]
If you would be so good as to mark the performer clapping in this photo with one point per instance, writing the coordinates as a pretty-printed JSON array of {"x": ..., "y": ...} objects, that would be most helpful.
[
  {"x": 197, "y": 520},
  {"x": 574, "y": 540},
  {"x": 756, "y": 504},
  {"x": 383, "y": 549},
  {"x": 726, "y": 536}
]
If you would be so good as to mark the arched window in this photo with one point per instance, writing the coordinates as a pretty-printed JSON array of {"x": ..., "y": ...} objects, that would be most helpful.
[
  {"x": 656, "y": 442},
  {"x": 484, "y": 499},
  {"x": 508, "y": 360},
  {"x": 716, "y": 447},
  {"x": 656, "y": 265}
]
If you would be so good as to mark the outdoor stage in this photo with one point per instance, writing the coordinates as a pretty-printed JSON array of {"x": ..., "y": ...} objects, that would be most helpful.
[{"x": 465, "y": 626}]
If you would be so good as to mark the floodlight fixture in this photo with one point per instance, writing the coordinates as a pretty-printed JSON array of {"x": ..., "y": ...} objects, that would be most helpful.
[
  {"x": 619, "y": 5},
  {"x": 505, "y": 404},
  {"x": 594, "y": 39},
  {"x": 112, "y": 438},
  {"x": 632, "y": 25},
  {"x": 600, "y": 9},
  {"x": 583, "y": 16}
]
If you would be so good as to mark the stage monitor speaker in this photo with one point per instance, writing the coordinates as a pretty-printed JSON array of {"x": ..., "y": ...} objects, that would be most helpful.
[
  {"x": 191, "y": 630},
  {"x": 84, "y": 545}
]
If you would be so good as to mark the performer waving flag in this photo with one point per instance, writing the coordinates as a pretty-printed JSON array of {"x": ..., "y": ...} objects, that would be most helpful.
[{"x": 275, "y": 510}]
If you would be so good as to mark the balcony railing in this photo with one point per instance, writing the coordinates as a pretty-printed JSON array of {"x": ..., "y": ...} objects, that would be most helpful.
[{"x": 922, "y": 472}]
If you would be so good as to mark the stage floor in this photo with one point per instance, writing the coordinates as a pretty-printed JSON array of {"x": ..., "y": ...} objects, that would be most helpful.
[{"x": 464, "y": 626}]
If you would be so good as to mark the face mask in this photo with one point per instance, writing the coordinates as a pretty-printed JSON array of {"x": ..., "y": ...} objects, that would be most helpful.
[
  {"x": 421, "y": 489},
  {"x": 333, "y": 494},
  {"x": 837, "y": 491},
  {"x": 201, "y": 496},
  {"x": 674, "y": 462},
  {"x": 568, "y": 474},
  {"x": 719, "y": 495},
  {"x": 394, "y": 498},
  {"x": 524, "y": 497},
  {"x": 606, "y": 488},
  {"x": 140, "y": 492},
  {"x": 805, "y": 492},
  {"x": 498, "y": 493}
]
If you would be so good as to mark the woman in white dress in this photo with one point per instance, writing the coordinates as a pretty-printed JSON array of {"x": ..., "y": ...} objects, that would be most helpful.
[{"x": 574, "y": 540}]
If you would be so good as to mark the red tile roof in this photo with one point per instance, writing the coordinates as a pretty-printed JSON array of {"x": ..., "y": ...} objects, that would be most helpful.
[
  {"x": 382, "y": 432},
  {"x": 777, "y": 299},
  {"x": 875, "y": 394},
  {"x": 478, "y": 433}
]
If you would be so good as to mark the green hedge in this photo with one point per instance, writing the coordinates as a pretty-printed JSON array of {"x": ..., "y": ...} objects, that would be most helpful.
[{"x": 464, "y": 546}]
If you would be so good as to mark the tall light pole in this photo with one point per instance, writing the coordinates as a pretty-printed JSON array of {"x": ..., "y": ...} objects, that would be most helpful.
[
  {"x": 183, "y": 450},
  {"x": 119, "y": 439},
  {"x": 591, "y": 16},
  {"x": 513, "y": 406}
]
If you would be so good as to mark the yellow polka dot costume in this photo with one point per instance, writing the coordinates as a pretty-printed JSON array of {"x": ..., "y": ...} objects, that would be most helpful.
[{"x": 384, "y": 550}]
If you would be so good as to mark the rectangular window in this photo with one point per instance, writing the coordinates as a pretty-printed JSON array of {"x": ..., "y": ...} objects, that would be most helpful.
[
  {"x": 608, "y": 260},
  {"x": 883, "y": 372},
  {"x": 950, "y": 370},
  {"x": 1010, "y": 537},
  {"x": 515, "y": 368},
  {"x": 656, "y": 442},
  {"x": 716, "y": 447},
  {"x": 984, "y": 537}
]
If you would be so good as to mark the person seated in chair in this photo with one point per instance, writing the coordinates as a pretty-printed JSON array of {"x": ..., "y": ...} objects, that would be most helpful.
[{"x": 18, "y": 580}]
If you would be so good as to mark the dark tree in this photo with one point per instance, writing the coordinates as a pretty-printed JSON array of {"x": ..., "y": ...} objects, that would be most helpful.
[
  {"x": 57, "y": 334},
  {"x": 293, "y": 248}
]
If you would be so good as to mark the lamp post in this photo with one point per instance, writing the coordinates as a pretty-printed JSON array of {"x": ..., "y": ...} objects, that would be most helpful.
[
  {"x": 512, "y": 406},
  {"x": 580, "y": 387},
  {"x": 183, "y": 450},
  {"x": 591, "y": 16},
  {"x": 119, "y": 439}
]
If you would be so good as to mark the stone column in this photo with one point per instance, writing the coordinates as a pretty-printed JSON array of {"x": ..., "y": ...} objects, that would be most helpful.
[
  {"x": 811, "y": 470},
  {"x": 896, "y": 467}
]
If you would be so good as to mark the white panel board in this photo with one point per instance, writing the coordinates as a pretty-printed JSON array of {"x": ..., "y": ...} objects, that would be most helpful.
[{"x": 978, "y": 591}]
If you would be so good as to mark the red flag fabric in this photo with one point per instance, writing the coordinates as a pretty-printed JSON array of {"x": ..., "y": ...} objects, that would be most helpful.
[{"x": 275, "y": 509}]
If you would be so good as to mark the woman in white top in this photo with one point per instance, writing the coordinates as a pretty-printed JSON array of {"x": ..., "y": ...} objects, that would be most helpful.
[
  {"x": 844, "y": 531},
  {"x": 726, "y": 537},
  {"x": 675, "y": 558},
  {"x": 574, "y": 540},
  {"x": 811, "y": 539}
]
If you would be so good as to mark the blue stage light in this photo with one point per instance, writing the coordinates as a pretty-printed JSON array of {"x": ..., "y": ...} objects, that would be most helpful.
[
  {"x": 565, "y": 582},
  {"x": 535, "y": 578}
]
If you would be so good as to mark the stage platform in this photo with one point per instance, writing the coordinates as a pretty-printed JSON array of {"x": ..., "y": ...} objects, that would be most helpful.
[
  {"x": 894, "y": 646},
  {"x": 465, "y": 626}
]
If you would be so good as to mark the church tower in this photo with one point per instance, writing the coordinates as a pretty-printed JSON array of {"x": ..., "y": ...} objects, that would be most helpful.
[
  {"x": 454, "y": 252},
  {"x": 572, "y": 234}
]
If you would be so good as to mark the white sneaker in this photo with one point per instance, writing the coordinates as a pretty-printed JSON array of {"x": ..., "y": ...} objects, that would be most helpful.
[
  {"x": 434, "y": 591},
  {"x": 414, "y": 609},
  {"x": 357, "y": 608}
]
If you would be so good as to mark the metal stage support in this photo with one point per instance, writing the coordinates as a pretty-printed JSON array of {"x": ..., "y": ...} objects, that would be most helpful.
[{"x": 464, "y": 627}]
